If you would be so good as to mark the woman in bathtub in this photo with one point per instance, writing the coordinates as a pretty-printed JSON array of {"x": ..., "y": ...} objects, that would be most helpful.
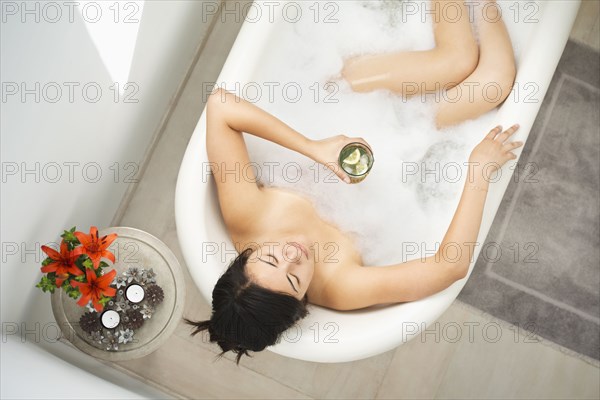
[{"x": 282, "y": 241}]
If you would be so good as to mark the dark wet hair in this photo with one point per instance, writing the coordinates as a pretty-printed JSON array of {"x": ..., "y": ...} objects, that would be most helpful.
[{"x": 246, "y": 316}]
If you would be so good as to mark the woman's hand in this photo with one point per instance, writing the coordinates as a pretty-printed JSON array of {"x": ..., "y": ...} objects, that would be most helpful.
[
  {"x": 327, "y": 151},
  {"x": 494, "y": 150}
]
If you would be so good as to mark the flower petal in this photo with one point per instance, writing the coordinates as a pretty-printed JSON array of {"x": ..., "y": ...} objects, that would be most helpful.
[
  {"x": 53, "y": 254},
  {"x": 107, "y": 240},
  {"x": 84, "y": 239},
  {"x": 52, "y": 267},
  {"x": 83, "y": 300},
  {"x": 83, "y": 287},
  {"x": 97, "y": 305},
  {"x": 76, "y": 252},
  {"x": 90, "y": 275},
  {"x": 109, "y": 255},
  {"x": 73, "y": 269},
  {"x": 64, "y": 249},
  {"x": 106, "y": 279},
  {"x": 110, "y": 292},
  {"x": 95, "y": 257}
]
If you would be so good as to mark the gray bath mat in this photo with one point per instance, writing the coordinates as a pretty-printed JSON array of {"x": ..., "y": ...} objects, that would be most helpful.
[{"x": 539, "y": 268}]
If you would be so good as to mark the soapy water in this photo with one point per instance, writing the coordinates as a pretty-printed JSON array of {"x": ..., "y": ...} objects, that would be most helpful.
[{"x": 395, "y": 208}]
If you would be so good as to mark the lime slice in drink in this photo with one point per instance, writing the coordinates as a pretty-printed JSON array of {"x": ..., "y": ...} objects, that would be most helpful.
[
  {"x": 353, "y": 157},
  {"x": 348, "y": 168},
  {"x": 361, "y": 168}
]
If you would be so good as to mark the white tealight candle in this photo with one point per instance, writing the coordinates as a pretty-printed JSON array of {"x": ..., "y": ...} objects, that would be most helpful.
[
  {"x": 135, "y": 293},
  {"x": 110, "y": 319}
]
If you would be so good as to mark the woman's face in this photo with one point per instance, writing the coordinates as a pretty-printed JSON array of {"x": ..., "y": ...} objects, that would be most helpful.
[{"x": 285, "y": 265}]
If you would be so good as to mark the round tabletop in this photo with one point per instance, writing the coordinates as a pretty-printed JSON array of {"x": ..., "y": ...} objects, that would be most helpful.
[{"x": 133, "y": 248}]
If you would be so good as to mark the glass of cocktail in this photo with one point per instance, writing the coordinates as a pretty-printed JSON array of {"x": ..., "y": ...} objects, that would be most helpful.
[{"x": 356, "y": 160}]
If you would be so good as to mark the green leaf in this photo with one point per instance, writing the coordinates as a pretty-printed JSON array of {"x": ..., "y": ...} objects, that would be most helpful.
[
  {"x": 80, "y": 278},
  {"x": 103, "y": 264},
  {"x": 47, "y": 261},
  {"x": 46, "y": 284},
  {"x": 87, "y": 263},
  {"x": 71, "y": 291},
  {"x": 79, "y": 261},
  {"x": 70, "y": 238},
  {"x": 103, "y": 300}
]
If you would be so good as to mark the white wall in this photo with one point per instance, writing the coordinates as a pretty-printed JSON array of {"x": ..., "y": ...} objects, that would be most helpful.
[
  {"x": 67, "y": 140},
  {"x": 30, "y": 372}
]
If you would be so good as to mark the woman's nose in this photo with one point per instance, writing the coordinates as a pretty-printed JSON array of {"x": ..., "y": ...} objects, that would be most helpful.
[{"x": 292, "y": 254}]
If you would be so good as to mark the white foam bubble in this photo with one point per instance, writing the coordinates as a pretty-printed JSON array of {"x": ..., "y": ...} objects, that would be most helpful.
[{"x": 390, "y": 207}]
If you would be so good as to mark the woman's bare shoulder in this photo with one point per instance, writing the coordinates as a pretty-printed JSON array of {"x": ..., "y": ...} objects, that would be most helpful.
[{"x": 331, "y": 282}]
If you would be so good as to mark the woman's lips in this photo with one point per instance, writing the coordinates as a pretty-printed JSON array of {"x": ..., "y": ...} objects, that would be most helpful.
[{"x": 301, "y": 248}]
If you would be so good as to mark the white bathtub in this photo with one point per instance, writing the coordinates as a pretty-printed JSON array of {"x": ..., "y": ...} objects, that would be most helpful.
[{"x": 348, "y": 336}]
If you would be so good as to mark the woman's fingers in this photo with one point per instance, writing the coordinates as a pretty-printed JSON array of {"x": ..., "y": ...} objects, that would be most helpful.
[
  {"x": 505, "y": 135},
  {"x": 494, "y": 132},
  {"x": 508, "y": 146},
  {"x": 339, "y": 172}
]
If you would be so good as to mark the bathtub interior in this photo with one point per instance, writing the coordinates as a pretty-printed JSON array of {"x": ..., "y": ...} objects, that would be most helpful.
[
  {"x": 393, "y": 215},
  {"x": 418, "y": 205}
]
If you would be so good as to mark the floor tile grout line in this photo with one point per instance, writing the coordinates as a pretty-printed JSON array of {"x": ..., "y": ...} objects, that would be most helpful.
[
  {"x": 191, "y": 342},
  {"x": 132, "y": 374},
  {"x": 540, "y": 339},
  {"x": 387, "y": 370},
  {"x": 145, "y": 380}
]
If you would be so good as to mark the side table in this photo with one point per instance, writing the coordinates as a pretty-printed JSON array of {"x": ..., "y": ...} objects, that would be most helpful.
[{"x": 132, "y": 248}]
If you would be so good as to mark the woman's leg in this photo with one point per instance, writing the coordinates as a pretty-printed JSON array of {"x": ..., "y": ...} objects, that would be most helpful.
[
  {"x": 491, "y": 82},
  {"x": 410, "y": 72}
]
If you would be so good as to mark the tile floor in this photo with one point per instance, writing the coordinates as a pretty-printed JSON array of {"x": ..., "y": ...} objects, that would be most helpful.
[{"x": 466, "y": 354}]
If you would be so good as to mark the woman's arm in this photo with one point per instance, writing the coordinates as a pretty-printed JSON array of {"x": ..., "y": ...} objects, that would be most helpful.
[
  {"x": 422, "y": 277},
  {"x": 243, "y": 116},
  {"x": 227, "y": 117},
  {"x": 241, "y": 201},
  {"x": 459, "y": 242}
]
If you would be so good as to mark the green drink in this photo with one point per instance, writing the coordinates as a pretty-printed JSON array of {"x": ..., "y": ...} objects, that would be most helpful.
[{"x": 356, "y": 160}]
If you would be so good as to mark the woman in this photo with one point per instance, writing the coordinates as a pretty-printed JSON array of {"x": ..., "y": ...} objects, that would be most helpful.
[{"x": 282, "y": 241}]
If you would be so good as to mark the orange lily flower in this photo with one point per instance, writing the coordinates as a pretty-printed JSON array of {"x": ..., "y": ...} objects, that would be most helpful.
[
  {"x": 63, "y": 263},
  {"x": 95, "y": 287},
  {"x": 96, "y": 247}
]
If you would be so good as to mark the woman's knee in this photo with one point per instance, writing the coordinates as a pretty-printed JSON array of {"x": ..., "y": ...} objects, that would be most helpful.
[
  {"x": 482, "y": 91},
  {"x": 460, "y": 61},
  {"x": 497, "y": 83}
]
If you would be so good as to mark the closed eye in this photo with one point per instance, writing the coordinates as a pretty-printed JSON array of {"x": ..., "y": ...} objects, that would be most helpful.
[
  {"x": 298, "y": 280},
  {"x": 276, "y": 260}
]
